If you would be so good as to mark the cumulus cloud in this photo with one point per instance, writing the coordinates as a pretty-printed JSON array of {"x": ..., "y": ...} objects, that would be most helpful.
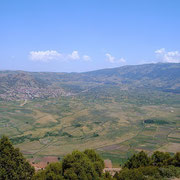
[
  {"x": 44, "y": 55},
  {"x": 112, "y": 59},
  {"x": 86, "y": 58},
  {"x": 168, "y": 56},
  {"x": 160, "y": 51},
  {"x": 74, "y": 55},
  {"x": 49, "y": 55},
  {"x": 121, "y": 60}
]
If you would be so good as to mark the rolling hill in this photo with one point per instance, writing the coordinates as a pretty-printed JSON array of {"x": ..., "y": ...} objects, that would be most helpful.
[
  {"x": 116, "y": 111},
  {"x": 29, "y": 85}
]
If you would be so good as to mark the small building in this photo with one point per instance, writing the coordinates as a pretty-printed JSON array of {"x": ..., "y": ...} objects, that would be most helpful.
[
  {"x": 108, "y": 163},
  {"x": 109, "y": 168},
  {"x": 43, "y": 162}
]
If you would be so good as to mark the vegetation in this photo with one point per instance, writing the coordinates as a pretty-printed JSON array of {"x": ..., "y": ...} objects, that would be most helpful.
[
  {"x": 138, "y": 160},
  {"x": 78, "y": 165},
  {"x": 87, "y": 165},
  {"x": 12, "y": 163},
  {"x": 159, "y": 166}
]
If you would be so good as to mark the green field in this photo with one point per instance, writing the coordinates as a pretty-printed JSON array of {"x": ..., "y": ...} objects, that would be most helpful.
[{"x": 116, "y": 126}]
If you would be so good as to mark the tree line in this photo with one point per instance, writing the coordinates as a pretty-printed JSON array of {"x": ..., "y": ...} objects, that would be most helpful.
[{"x": 87, "y": 165}]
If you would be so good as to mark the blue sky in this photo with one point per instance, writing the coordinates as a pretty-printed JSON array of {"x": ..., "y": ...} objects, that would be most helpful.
[{"x": 84, "y": 35}]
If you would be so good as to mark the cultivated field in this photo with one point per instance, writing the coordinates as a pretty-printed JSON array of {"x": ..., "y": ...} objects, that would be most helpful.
[{"x": 115, "y": 128}]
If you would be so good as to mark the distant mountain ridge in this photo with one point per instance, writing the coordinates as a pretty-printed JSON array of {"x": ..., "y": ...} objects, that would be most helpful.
[{"x": 16, "y": 85}]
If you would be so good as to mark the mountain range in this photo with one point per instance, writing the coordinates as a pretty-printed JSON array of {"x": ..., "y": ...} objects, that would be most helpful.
[{"x": 21, "y": 85}]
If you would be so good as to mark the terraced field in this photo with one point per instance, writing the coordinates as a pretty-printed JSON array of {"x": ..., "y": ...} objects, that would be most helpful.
[{"x": 54, "y": 127}]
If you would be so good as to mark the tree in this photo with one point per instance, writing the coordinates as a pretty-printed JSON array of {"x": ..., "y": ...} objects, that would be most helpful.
[
  {"x": 129, "y": 174},
  {"x": 176, "y": 160},
  {"x": 161, "y": 158},
  {"x": 12, "y": 163},
  {"x": 52, "y": 172},
  {"x": 107, "y": 176},
  {"x": 85, "y": 165},
  {"x": 138, "y": 160},
  {"x": 96, "y": 160},
  {"x": 78, "y": 166}
]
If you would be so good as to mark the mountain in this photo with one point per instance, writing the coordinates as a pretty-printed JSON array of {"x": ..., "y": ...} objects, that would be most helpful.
[{"x": 29, "y": 85}]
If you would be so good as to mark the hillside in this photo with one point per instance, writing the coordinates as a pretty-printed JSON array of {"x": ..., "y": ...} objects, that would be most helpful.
[
  {"x": 116, "y": 111},
  {"x": 26, "y": 85}
]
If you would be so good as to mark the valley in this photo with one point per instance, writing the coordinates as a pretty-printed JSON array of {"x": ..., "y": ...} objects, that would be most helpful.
[{"x": 114, "y": 113}]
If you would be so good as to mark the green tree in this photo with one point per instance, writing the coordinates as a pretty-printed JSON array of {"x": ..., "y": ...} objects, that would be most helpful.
[
  {"x": 161, "y": 158},
  {"x": 85, "y": 165},
  {"x": 176, "y": 160},
  {"x": 138, "y": 160},
  {"x": 40, "y": 175},
  {"x": 78, "y": 166},
  {"x": 52, "y": 172},
  {"x": 107, "y": 176},
  {"x": 129, "y": 174},
  {"x": 12, "y": 163},
  {"x": 150, "y": 171},
  {"x": 96, "y": 160}
]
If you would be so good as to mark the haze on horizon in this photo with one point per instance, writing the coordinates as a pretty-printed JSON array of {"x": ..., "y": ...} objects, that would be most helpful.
[{"x": 78, "y": 36}]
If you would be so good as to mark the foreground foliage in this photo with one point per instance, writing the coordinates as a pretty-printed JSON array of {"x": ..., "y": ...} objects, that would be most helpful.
[
  {"x": 78, "y": 165},
  {"x": 159, "y": 166},
  {"x": 87, "y": 165},
  {"x": 12, "y": 163}
]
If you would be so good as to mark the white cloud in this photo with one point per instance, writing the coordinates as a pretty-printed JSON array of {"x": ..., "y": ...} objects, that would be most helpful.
[
  {"x": 160, "y": 51},
  {"x": 121, "y": 60},
  {"x": 171, "y": 56},
  {"x": 49, "y": 55},
  {"x": 45, "y": 56},
  {"x": 86, "y": 58},
  {"x": 74, "y": 55},
  {"x": 112, "y": 59}
]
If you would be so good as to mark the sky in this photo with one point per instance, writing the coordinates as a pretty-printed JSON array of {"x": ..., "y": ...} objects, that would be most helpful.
[{"x": 85, "y": 35}]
